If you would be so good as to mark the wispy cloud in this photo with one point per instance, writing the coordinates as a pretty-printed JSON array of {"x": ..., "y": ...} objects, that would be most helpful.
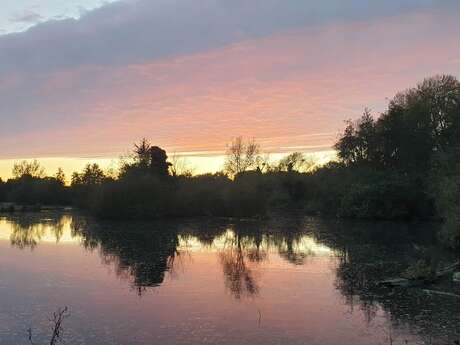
[
  {"x": 134, "y": 31},
  {"x": 27, "y": 16}
]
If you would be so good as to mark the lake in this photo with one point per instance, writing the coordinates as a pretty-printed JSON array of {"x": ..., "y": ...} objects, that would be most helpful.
[{"x": 291, "y": 280}]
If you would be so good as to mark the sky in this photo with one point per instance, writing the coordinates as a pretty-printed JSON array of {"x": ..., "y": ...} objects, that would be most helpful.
[{"x": 82, "y": 80}]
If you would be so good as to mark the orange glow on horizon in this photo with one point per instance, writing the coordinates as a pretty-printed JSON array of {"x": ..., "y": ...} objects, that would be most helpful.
[{"x": 200, "y": 163}]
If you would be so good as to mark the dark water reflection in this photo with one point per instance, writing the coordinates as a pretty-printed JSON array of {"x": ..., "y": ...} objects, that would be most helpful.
[{"x": 284, "y": 281}]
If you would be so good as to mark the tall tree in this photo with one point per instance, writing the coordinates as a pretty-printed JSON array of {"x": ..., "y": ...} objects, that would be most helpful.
[
  {"x": 242, "y": 156},
  {"x": 158, "y": 164},
  {"x": 148, "y": 160},
  {"x": 28, "y": 168},
  {"x": 359, "y": 142},
  {"x": 92, "y": 175},
  {"x": 60, "y": 176},
  {"x": 418, "y": 123},
  {"x": 141, "y": 152}
]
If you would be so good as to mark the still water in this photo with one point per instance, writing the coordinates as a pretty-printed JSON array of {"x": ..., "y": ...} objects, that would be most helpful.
[{"x": 284, "y": 281}]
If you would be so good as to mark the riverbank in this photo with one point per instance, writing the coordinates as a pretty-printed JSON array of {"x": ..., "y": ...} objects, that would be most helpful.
[{"x": 10, "y": 207}]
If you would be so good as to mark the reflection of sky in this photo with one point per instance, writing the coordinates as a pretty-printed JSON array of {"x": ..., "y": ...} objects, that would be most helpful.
[
  {"x": 295, "y": 304},
  {"x": 60, "y": 232},
  {"x": 305, "y": 244},
  {"x": 43, "y": 232}
]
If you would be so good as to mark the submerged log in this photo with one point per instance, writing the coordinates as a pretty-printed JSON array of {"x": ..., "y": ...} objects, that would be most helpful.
[
  {"x": 448, "y": 270},
  {"x": 405, "y": 282},
  {"x": 441, "y": 293},
  {"x": 397, "y": 282}
]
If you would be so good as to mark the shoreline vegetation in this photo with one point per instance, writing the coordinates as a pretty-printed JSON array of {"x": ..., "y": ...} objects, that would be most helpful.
[{"x": 403, "y": 164}]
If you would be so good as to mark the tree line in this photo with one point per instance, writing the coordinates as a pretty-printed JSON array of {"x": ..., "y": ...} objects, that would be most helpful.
[
  {"x": 150, "y": 185},
  {"x": 402, "y": 164}
]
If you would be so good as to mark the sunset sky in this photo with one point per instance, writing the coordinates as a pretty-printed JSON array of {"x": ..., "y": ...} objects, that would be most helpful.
[{"x": 82, "y": 81}]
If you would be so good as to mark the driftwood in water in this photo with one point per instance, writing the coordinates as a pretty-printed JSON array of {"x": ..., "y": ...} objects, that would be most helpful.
[
  {"x": 448, "y": 270},
  {"x": 404, "y": 282},
  {"x": 400, "y": 282},
  {"x": 441, "y": 293}
]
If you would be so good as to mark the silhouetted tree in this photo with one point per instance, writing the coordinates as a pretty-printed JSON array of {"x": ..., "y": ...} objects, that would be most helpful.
[
  {"x": 141, "y": 152},
  {"x": 295, "y": 161},
  {"x": 159, "y": 165},
  {"x": 60, "y": 176},
  {"x": 418, "y": 123},
  {"x": 359, "y": 143},
  {"x": 30, "y": 186},
  {"x": 392, "y": 156},
  {"x": 28, "y": 168},
  {"x": 148, "y": 160},
  {"x": 87, "y": 184},
  {"x": 92, "y": 175},
  {"x": 242, "y": 156}
]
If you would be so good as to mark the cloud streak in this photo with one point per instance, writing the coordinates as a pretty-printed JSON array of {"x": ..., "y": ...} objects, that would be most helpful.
[
  {"x": 139, "y": 30},
  {"x": 26, "y": 16}
]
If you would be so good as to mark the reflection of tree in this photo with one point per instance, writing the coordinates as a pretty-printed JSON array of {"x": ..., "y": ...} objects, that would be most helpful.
[
  {"x": 144, "y": 253},
  {"x": 29, "y": 237},
  {"x": 137, "y": 253},
  {"x": 369, "y": 253},
  {"x": 286, "y": 235},
  {"x": 239, "y": 278},
  {"x": 249, "y": 243},
  {"x": 28, "y": 230},
  {"x": 288, "y": 248}
]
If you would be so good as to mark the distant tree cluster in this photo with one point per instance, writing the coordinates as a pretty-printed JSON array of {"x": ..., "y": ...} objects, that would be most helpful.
[
  {"x": 419, "y": 124},
  {"x": 30, "y": 185}
]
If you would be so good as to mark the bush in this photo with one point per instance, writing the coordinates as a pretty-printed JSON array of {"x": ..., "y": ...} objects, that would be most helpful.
[{"x": 29, "y": 190}]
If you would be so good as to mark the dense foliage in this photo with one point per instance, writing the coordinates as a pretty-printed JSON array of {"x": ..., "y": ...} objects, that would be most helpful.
[
  {"x": 30, "y": 186},
  {"x": 415, "y": 148}
]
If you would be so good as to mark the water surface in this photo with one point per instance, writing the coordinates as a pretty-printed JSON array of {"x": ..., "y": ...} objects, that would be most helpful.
[{"x": 284, "y": 281}]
